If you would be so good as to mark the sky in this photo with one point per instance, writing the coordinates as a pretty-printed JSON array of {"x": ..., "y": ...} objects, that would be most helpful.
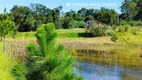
[{"x": 67, "y": 4}]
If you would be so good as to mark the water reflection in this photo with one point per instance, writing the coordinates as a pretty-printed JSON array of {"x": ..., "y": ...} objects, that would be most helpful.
[
  {"x": 93, "y": 71},
  {"x": 129, "y": 56}
]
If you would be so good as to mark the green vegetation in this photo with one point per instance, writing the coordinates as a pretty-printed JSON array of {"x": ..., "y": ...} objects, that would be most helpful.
[
  {"x": 46, "y": 61},
  {"x": 29, "y": 18},
  {"x": 126, "y": 55},
  {"x": 97, "y": 30},
  {"x": 6, "y": 64},
  {"x": 62, "y": 33},
  {"x": 131, "y": 35}
]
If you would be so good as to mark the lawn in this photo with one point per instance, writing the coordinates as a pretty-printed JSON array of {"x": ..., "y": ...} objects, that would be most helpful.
[
  {"x": 62, "y": 33},
  {"x": 78, "y": 35}
]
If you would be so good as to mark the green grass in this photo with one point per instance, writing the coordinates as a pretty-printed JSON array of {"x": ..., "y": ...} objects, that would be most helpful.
[
  {"x": 130, "y": 38},
  {"x": 6, "y": 64},
  {"x": 78, "y": 34},
  {"x": 62, "y": 33}
]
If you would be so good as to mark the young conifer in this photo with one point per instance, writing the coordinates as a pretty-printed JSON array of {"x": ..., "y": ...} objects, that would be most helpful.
[{"x": 46, "y": 61}]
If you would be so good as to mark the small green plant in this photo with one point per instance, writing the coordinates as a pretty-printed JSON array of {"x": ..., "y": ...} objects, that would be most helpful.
[
  {"x": 113, "y": 36},
  {"x": 46, "y": 61}
]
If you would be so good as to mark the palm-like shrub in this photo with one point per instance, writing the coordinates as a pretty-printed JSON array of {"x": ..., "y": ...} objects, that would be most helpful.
[{"x": 46, "y": 61}]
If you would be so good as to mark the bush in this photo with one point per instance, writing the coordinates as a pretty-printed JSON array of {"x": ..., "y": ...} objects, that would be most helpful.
[
  {"x": 76, "y": 24},
  {"x": 124, "y": 28},
  {"x": 139, "y": 23},
  {"x": 133, "y": 30},
  {"x": 131, "y": 23},
  {"x": 97, "y": 30},
  {"x": 81, "y": 24},
  {"x": 123, "y": 22},
  {"x": 113, "y": 36}
]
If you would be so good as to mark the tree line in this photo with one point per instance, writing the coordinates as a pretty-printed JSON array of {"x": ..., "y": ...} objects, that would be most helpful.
[{"x": 29, "y": 18}]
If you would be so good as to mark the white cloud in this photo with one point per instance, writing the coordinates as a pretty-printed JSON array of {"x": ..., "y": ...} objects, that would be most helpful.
[{"x": 68, "y": 4}]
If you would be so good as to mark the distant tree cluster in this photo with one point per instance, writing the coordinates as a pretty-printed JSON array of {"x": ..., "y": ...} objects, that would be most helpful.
[{"x": 29, "y": 18}]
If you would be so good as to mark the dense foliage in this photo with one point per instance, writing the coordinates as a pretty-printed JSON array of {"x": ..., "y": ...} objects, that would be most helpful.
[
  {"x": 131, "y": 10},
  {"x": 29, "y": 18},
  {"x": 46, "y": 61},
  {"x": 97, "y": 30}
]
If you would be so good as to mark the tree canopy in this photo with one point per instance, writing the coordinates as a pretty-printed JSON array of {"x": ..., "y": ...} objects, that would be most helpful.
[{"x": 29, "y": 18}]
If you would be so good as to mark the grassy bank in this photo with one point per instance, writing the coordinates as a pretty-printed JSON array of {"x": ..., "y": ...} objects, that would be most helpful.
[
  {"x": 6, "y": 64},
  {"x": 79, "y": 35},
  {"x": 125, "y": 55},
  {"x": 62, "y": 33},
  {"x": 130, "y": 38}
]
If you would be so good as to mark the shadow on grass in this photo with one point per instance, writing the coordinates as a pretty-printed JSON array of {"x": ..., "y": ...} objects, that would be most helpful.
[{"x": 85, "y": 35}]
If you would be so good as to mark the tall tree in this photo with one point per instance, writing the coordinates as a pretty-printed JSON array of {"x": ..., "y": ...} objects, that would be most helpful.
[
  {"x": 139, "y": 5},
  {"x": 107, "y": 16},
  {"x": 82, "y": 11},
  {"x": 23, "y": 18},
  {"x": 129, "y": 8},
  {"x": 89, "y": 12},
  {"x": 56, "y": 16}
]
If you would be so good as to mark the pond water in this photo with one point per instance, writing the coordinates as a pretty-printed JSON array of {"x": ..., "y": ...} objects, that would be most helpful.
[
  {"x": 94, "y": 71},
  {"x": 109, "y": 63}
]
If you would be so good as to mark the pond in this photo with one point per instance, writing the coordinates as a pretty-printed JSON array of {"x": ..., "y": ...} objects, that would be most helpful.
[
  {"x": 109, "y": 63},
  {"x": 93, "y": 71}
]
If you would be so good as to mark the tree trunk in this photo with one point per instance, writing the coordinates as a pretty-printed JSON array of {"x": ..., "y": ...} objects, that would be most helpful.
[
  {"x": 4, "y": 44},
  {"x": 0, "y": 39}
]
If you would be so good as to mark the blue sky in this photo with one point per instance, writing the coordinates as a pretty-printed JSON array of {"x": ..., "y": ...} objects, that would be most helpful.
[{"x": 74, "y": 4}]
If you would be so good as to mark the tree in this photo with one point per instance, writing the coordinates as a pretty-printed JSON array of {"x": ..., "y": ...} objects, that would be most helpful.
[
  {"x": 2, "y": 17},
  {"x": 89, "y": 12},
  {"x": 107, "y": 16},
  {"x": 82, "y": 11},
  {"x": 129, "y": 8},
  {"x": 40, "y": 14},
  {"x": 46, "y": 61},
  {"x": 68, "y": 21},
  {"x": 139, "y": 5},
  {"x": 7, "y": 26},
  {"x": 56, "y": 17},
  {"x": 88, "y": 18},
  {"x": 23, "y": 18}
]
